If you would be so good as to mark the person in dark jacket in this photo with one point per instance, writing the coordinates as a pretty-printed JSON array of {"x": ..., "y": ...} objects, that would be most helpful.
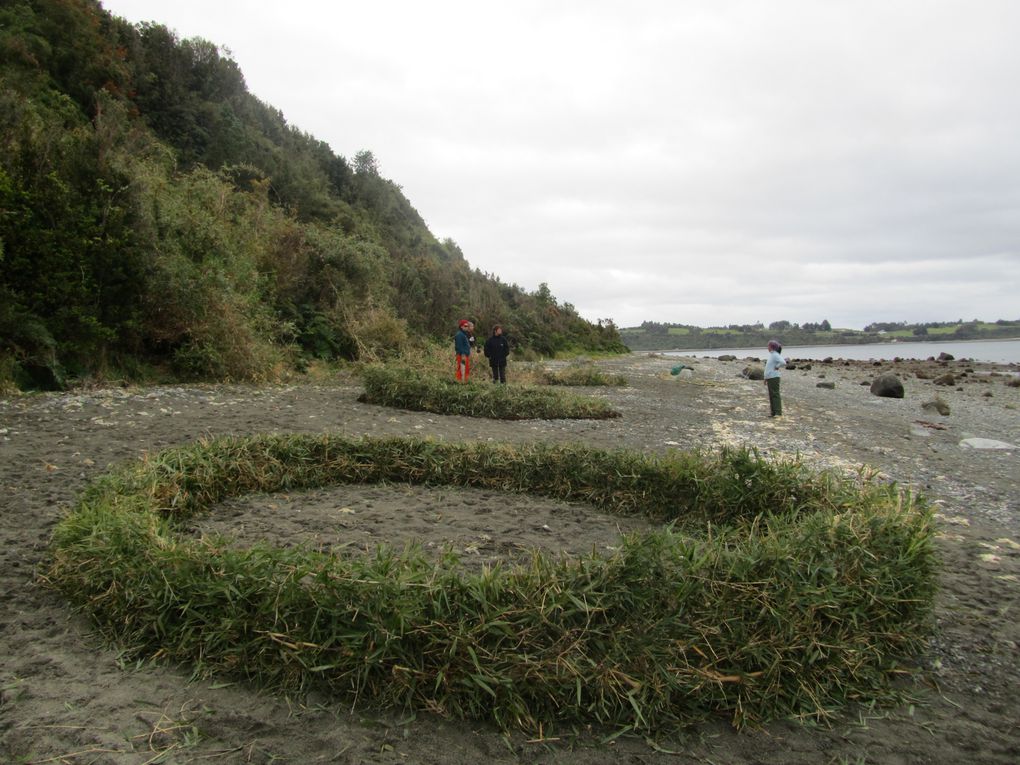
[
  {"x": 496, "y": 351},
  {"x": 462, "y": 350}
]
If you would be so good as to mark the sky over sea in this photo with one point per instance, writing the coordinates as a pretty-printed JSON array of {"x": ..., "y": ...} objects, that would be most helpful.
[{"x": 703, "y": 162}]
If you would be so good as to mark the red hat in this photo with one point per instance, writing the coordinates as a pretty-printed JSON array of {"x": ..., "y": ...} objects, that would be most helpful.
[{"x": 463, "y": 323}]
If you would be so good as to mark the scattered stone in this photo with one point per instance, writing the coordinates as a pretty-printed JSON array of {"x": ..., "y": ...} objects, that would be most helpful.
[
  {"x": 946, "y": 356},
  {"x": 938, "y": 405},
  {"x": 727, "y": 357},
  {"x": 826, "y": 385},
  {"x": 887, "y": 386},
  {"x": 985, "y": 443}
]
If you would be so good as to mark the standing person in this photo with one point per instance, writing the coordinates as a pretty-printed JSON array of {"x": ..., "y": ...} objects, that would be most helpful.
[
  {"x": 772, "y": 365},
  {"x": 462, "y": 349},
  {"x": 496, "y": 351}
]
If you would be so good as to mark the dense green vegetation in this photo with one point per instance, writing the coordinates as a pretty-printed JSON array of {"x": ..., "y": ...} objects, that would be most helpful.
[
  {"x": 154, "y": 215},
  {"x": 662, "y": 336},
  {"x": 771, "y": 591}
]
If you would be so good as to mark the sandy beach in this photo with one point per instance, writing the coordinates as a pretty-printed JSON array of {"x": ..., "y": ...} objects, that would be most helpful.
[{"x": 66, "y": 697}]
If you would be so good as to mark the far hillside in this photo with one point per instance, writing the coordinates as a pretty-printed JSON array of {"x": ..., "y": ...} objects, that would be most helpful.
[{"x": 655, "y": 336}]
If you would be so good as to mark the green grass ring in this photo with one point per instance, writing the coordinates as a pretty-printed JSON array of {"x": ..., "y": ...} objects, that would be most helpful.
[{"x": 770, "y": 590}]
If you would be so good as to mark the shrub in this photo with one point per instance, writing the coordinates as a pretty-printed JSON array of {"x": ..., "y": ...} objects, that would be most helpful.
[{"x": 770, "y": 591}]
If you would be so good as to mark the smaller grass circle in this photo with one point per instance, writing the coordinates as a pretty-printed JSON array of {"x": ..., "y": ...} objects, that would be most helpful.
[
  {"x": 769, "y": 590},
  {"x": 406, "y": 388}
]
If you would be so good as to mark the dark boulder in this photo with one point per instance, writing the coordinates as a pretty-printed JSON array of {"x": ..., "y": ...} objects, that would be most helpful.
[
  {"x": 828, "y": 385},
  {"x": 727, "y": 357},
  {"x": 887, "y": 386},
  {"x": 753, "y": 373},
  {"x": 946, "y": 379},
  {"x": 946, "y": 356}
]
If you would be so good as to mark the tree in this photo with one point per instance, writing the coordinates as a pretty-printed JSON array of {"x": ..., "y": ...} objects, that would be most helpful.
[{"x": 365, "y": 163}]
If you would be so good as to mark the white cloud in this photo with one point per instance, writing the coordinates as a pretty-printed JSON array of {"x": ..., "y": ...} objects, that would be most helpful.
[{"x": 707, "y": 162}]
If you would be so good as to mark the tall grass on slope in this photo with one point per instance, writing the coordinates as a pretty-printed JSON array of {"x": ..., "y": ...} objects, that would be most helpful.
[
  {"x": 770, "y": 590},
  {"x": 405, "y": 388}
]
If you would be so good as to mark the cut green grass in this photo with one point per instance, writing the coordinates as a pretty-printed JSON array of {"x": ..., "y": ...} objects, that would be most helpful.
[
  {"x": 769, "y": 591},
  {"x": 581, "y": 375},
  {"x": 406, "y": 388}
]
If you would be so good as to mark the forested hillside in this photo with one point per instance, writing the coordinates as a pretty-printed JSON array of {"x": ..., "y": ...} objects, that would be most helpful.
[{"x": 154, "y": 214}]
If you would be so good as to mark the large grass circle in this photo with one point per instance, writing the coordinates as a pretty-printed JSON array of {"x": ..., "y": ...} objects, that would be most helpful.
[{"x": 769, "y": 590}]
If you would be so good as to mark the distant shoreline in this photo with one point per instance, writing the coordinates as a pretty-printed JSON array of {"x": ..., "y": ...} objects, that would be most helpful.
[
  {"x": 842, "y": 343},
  {"x": 1004, "y": 351}
]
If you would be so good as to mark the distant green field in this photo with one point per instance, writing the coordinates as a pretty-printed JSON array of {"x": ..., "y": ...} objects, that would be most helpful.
[{"x": 948, "y": 330}]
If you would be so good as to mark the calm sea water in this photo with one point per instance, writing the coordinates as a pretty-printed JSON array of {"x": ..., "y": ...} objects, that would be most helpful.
[{"x": 998, "y": 351}]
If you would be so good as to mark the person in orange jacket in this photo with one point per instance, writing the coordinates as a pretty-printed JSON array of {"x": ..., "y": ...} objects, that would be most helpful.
[{"x": 462, "y": 349}]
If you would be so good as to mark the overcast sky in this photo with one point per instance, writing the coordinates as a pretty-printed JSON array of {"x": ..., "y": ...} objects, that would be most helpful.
[{"x": 692, "y": 161}]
